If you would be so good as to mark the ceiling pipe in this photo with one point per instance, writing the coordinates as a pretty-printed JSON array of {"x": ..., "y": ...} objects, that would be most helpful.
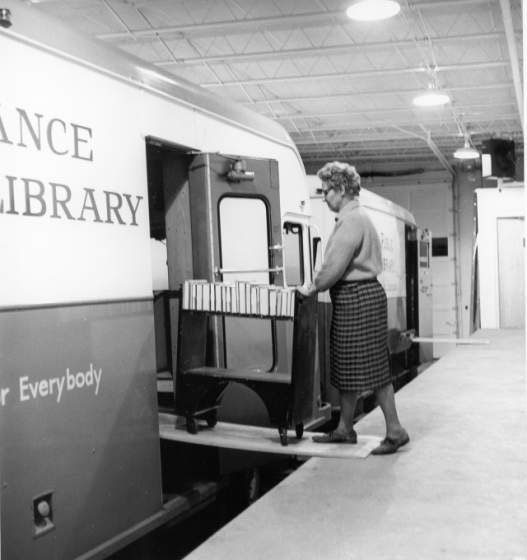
[
  {"x": 437, "y": 152},
  {"x": 513, "y": 54}
]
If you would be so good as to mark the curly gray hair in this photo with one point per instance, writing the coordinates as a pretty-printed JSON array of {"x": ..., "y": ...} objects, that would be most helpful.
[{"x": 337, "y": 174}]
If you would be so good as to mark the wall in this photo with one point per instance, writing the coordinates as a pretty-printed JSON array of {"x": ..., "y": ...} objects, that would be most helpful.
[
  {"x": 492, "y": 205},
  {"x": 468, "y": 179}
]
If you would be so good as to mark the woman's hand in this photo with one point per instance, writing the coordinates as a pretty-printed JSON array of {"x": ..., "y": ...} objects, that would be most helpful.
[{"x": 307, "y": 290}]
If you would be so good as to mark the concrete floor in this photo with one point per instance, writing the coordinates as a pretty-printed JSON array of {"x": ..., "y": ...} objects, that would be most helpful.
[{"x": 457, "y": 491}]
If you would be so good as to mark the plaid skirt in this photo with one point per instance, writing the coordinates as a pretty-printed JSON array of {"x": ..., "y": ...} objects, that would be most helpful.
[{"x": 358, "y": 337}]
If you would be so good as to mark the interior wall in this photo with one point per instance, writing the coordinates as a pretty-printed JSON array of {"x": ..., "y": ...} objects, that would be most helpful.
[
  {"x": 492, "y": 205},
  {"x": 468, "y": 179}
]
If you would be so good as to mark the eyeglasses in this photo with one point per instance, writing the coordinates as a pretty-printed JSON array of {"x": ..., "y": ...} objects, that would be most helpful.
[{"x": 324, "y": 192}]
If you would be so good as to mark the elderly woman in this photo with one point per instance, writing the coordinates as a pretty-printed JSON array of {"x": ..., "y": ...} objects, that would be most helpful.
[{"x": 358, "y": 339}]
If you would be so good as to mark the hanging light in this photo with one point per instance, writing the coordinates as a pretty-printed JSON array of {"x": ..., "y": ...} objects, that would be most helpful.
[
  {"x": 431, "y": 98},
  {"x": 371, "y": 10},
  {"x": 467, "y": 151}
]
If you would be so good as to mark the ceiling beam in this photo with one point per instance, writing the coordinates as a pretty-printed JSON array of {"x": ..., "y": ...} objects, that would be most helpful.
[
  {"x": 324, "y": 96},
  {"x": 418, "y": 112},
  {"x": 367, "y": 157},
  {"x": 360, "y": 74},
  {"x": 382, "y": 123},
  {"x": 513, "y": 54},
  {"x": 355, "y": 132},
  {"x": 437, "y": 152},
  {"x": 319, "y": 51},
  {"x": 400, "y": 143},
  {"x": 227, "y": 27}
]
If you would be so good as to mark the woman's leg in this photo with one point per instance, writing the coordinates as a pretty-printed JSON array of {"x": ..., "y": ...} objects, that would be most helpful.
[
  {"x": 386, "y": 399},
  {"x": 348, "y": 402}
]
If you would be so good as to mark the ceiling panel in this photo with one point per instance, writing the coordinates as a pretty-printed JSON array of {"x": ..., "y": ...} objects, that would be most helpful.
[{"x": 341, "y": 88}]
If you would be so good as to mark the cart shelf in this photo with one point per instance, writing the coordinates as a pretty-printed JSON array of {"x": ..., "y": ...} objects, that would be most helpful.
[{"x": 287, "y": 395}]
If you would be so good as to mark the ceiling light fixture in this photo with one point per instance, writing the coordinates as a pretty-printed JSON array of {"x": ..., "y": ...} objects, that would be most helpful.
[
  {"x": 431, "y": 98},
  {"x": 467, "y": 151},
  {"x": 372, "y": 10}
]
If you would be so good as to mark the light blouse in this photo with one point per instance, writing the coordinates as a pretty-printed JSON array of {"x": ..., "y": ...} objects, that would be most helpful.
[{"x": 353, "y": 250}]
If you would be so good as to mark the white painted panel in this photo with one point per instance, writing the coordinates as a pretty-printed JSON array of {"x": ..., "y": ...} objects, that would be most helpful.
[
  {"x": 493, "y": 204},
  {"x": 62, "y": 242},
  {"x": 511, "y": 272}
]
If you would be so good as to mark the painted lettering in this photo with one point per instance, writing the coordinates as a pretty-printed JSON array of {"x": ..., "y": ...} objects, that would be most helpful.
[
  {"x": 54, "y": 386},
  {"x": 11, "y": 186},
  {"x": 23, "y": 386},
  {"x": 113, "y": 207},
  {"x": 25, "y": 123},
  {"x": 60, "y": 386},
  {"x": 32, "y": 197},
  {"x": 50, "y": 134},
  {"x": 62, "y": 202},
  {"x": 37, "y": 131},
  {"x": 3, "y": 133},
  {"x": 133, "y": 209},
  {"x": 38, "y": 197},
  {"x": 89, "y": 204},
  {"x": 82, "y": 135},
  {"x": 3, "y": 394}
]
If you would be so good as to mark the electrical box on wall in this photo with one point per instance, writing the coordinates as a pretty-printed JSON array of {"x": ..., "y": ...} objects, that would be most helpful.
[{"x": 498, "y": 159}]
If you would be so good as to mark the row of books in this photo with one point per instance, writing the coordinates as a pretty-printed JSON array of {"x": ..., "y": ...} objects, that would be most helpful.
[{"x": 243, "y": 298}]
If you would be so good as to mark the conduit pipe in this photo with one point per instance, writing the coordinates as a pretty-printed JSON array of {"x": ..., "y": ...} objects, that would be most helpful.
[{"x": 513, "y": 54}]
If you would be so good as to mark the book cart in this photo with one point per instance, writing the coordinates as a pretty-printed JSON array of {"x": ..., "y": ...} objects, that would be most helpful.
[{"x": 287, "y": 395}]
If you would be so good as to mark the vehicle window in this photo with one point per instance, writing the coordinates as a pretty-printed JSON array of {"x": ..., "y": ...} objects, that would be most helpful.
[{"x": 292, "y": 253}]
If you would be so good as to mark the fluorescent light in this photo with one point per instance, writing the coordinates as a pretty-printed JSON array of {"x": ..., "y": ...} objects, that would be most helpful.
[
  {"x": 431, "y": 98},
  {"x": 466, "y": 152},
  {"x": 371, "y": 10}
]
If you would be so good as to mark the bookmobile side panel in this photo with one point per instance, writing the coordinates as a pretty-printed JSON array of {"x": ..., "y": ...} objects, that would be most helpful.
[
  {"x": 77, "y": 365},
  {"x": 79, "y": 424}
]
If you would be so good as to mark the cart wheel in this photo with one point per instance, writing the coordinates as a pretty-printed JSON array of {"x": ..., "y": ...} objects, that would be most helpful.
[
  {"x": 299, "y": 430},
  {"x": 253, "y": 485},
  {"x": 282, "y": 430},
  {"x": 192, "y": 426},
  {"x": 212, "y": 418}
]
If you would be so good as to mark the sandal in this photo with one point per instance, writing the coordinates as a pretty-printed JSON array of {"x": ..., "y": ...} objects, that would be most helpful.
[
  {"x": 390, "y": 445},
  {"x": 336, "y": 437}
]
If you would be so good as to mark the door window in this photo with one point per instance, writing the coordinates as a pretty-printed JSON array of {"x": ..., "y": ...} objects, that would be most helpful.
[
  {"x": 293, "y": 254},
  {"x": 244, "y": 248}
]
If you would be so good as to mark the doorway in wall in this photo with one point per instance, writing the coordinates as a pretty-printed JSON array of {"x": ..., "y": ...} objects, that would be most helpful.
[{"x": 511, "y": 272}]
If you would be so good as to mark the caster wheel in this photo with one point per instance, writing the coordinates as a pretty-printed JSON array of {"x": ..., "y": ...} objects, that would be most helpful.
[
  {"x": 299, "y": 430},
  {"x": 192, "y": 426},
  {"x": 283, "y": 435},
  {"x": 212, "y": 418},
  {"x": 253, "y": 485}
]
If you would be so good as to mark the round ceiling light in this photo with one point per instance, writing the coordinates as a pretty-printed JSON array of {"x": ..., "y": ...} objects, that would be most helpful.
[
  {"x": 371, "y": 10},
  {"x": 466, "y": 152},
  {"x": 431, "y": 98}
]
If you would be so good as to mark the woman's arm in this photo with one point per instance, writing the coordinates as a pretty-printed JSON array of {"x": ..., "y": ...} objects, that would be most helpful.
[{"x": 343, "y": 243}]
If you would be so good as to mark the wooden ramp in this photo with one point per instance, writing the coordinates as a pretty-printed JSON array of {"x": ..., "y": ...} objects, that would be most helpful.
[{"x": 266, "y": 440}]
